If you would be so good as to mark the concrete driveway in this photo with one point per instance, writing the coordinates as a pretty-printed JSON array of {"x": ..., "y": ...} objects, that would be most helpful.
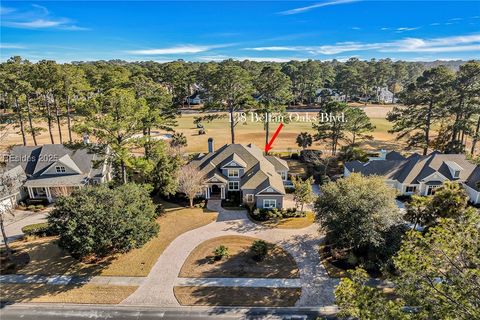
[
  {"x": 20, "y": 219},
  {"x": 302, "y": 244}
]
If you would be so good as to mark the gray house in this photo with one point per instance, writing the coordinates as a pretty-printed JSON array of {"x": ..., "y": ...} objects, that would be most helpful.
[
  {"x": 245, "y": 171},
  {"x": 419, "y": 174},
  {"x": 54, "y": 170}
]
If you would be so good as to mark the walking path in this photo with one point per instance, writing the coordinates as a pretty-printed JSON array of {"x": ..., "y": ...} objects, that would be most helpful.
[
  {"x": 302, "y": 244},
  {"x": 239, "y": 282}
]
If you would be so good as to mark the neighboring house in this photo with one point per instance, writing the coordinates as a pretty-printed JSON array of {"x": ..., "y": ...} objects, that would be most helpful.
[
  {"x": 194, "y": 99},
  {"x": 419, "y": 174},
  {"x": 54, "y": 170},
  {"x": 244, "y": 169},
  {"x": 11, "y": 190},
  {"x": 327, "y": 94},
  {"x": 384, "y": 95}
]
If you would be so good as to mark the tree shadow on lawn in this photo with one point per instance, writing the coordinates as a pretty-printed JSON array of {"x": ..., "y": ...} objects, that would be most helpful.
[
  {"x": 237, "y": 297},
  {"x": 278, "y": 263},
  {"x": 46, "y": 259}
]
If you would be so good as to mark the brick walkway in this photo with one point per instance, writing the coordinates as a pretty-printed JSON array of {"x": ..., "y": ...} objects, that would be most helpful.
[{"x": 302, "y": 244}]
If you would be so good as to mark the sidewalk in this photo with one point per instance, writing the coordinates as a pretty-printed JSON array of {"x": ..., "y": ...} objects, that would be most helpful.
[
  {"x": 239, "y": 282},
  {"x": 63, "y": 280}
]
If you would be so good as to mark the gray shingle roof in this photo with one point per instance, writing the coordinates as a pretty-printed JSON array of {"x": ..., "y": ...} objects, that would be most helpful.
[
  {"x": 415, "y": 168},
  {"x": 258, "y": 169},
  {"x": 36, "y": 160}
]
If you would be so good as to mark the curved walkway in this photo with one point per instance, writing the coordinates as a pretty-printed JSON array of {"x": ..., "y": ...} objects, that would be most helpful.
[{"x": 302, "y": 244}]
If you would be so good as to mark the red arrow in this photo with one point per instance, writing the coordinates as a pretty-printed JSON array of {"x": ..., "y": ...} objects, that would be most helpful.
[{"x": 269, "y": 145}]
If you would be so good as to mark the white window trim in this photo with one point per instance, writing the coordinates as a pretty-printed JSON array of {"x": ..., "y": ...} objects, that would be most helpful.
[
  {"x": 415, "y": 188},
  {"x": 250, "y": 197},
  {"x": 60, "y": 169},
  {"x": 431, "y": 188},
  {"x": 270, "y": 207},
  {"x": 231, "y": 171},
  {"x": 234, "y": 182},
  {"x": 456, "y": 174}
]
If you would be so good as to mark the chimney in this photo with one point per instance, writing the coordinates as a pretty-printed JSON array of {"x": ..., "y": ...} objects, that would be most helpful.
[
  {"x": 211, "y": 145},
  {"x": 86, "y": 138},
  {"x": 383, "y": 154}
]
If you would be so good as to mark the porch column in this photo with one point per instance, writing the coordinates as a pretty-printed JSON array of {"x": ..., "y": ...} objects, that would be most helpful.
[
  {"x": 207, "y": 193},
  {"x": 49, "y": 195},
  {"x": 222, "y": 192},
  {"x": 30, "y": 192}
]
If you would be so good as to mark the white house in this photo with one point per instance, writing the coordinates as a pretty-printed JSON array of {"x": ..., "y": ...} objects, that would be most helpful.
[
  {"x": 419, "y": 174},
  {"x": 54, "y": 170},
  {"x": 384, "y": 95}
]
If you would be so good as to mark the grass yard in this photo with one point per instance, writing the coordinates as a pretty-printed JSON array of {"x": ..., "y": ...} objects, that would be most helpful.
[
  {"x": 288, "y": 223},
  {"x": 88, "y": 293},
  {"x": 236, "y": 296},
  {"x": 277, "y": 264},
  {"x": 47, "y": 258},
  {"x": 249, "y": 132}
]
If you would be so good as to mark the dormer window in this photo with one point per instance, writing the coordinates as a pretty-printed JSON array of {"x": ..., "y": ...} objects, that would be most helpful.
[
  {"x": 456, "y": 174},
  {"x": 233, "y": 173},
  {"x": 60, "y": 169}
]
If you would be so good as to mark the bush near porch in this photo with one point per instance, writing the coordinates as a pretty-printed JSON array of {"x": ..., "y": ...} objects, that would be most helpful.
[{"x": 272, "y": 214}]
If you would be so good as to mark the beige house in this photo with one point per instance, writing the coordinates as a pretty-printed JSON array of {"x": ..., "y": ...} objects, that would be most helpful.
[{"x": 244, "y": 170}]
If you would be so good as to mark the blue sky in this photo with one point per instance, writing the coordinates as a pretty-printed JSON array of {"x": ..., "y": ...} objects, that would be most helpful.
[{"x": 212, "y": 31}]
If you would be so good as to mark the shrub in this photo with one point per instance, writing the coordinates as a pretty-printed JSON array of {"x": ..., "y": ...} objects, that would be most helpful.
[
  {"x": 38, "y": 230},
  {"x": 39, "y": 207},
  {"x": 36, "y": 201},
  {"x": 99, "y": 221},
  {"x": 31, "y": 207},
  {"x": 259, "y": 249},
  {"x": 220, "y": 252},
  {"x": 267, "y": 214},
  {"x": 294, "y": 156}
]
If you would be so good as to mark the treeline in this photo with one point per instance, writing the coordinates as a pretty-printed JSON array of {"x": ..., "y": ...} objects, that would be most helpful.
[
  {"x": 442, "y": 110},
  {"x": 439, "y": 97}
]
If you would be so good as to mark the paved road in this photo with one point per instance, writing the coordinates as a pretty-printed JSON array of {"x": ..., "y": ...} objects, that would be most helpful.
[
  {"x": 20, "y": 219},
  {"x": 302, "y": 244},
  {"x": 80, "y": 312}
]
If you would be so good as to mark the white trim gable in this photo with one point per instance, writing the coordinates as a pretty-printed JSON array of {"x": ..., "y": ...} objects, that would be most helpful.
[
  {"x": 436, "y": 176},
  {"x": 232, "y": 164},
  {"x": 267, "y": 189},
  {"x": 67, "y": 163}
]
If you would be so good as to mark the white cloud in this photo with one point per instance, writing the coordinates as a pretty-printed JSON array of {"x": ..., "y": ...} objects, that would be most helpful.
[
  {"x": 183, "y": 49},
  {"x": 35, "y": 24},
  {"x": 314, "y": 6},
  {"x": 464, "y": 43},
  {"x": 180, "y": 49},
  {"x": 11, "y": 46},
  {"x": 407, "y": 28},
  {"x": 37, "y": 18},
  {"x": 5, "y": 10}
]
